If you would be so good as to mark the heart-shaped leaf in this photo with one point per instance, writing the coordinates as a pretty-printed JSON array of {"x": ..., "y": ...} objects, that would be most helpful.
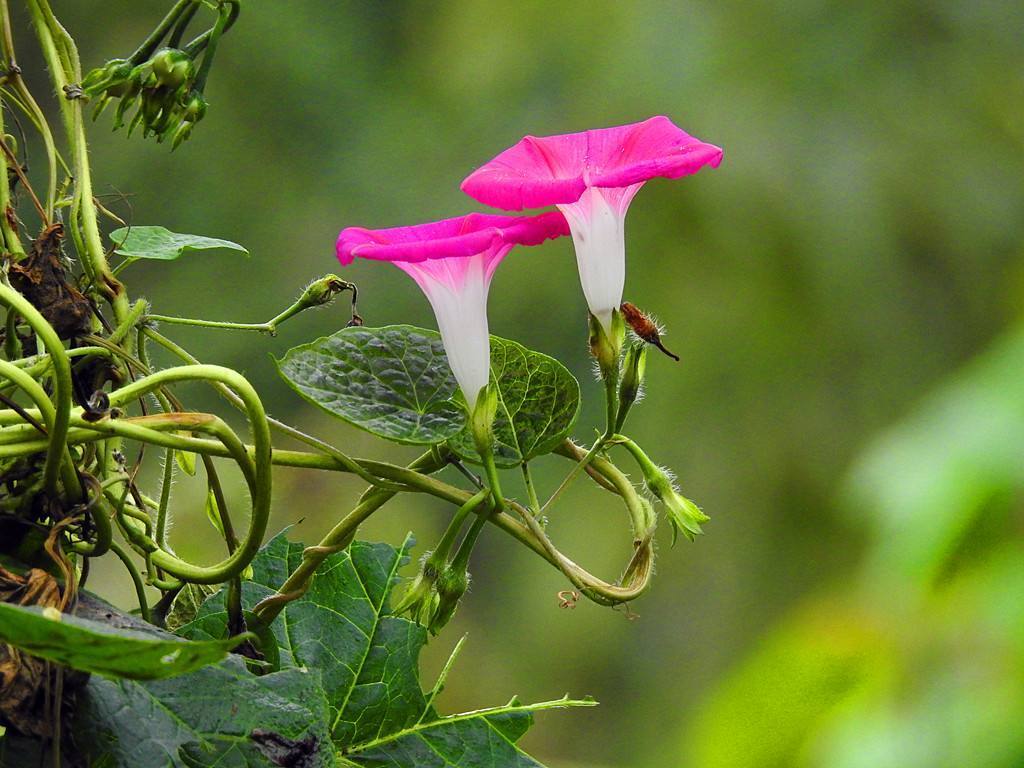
[
  {"x": 538, "y": 401},
  {"x": 394, "y": 382},
  {"x": 164, "y": 245}
]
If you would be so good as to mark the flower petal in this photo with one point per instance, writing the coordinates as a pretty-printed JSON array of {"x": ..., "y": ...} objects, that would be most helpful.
[
  {"x": 460, "y": 236},
  {"x": 553, "y": 170}
]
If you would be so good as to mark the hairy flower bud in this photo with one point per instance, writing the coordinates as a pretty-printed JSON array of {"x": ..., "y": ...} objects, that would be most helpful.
[
  {"x": 452, "y": 584},
  {"x": 644, "y": 327},
  {"x": 420, "y": 600},
  {"x": 632, "y": 381},
  {"x": 323, "y": 291},
  {"x": 683, "y": 513}
]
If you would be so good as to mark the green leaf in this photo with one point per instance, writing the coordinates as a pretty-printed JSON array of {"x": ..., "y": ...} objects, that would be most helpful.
[
  {"x": 213, "y": 511},
  {"x": 368, "y": 660},
  {"x": 220, "y": 716},
  {"x": 186, "y": 460},
  {"x": 484, "y": 738},
  {"x": 186, "y": 604},
  {"x": 338, "y": 627},
  {"x": 160, "y": 243},
  {"x": 538, "y": 402},
  {"x": 394, "y": 382},
  {"x": 92, "y": 646}
]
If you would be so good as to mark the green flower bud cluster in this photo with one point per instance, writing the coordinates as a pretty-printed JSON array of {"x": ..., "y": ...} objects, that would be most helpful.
[
  {"x": 169, "y": 104},
  {"x": 165, "y": 82},
  {"x": 434, "y": 595}
]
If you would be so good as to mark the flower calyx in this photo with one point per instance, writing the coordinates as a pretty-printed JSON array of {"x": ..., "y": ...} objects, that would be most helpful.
[{"x": 606, "y": 345}]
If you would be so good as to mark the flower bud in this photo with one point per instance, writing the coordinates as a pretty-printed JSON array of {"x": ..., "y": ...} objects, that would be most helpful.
[
  {"x": 632, "y": 380},
  {"x": 451, "y": 586},
  {"x": 644, "y": 327},
  {"x": 114, "y": 73},
  {"x": 322, "y": 291},
  {"x": 421, "y": 600},
  {"x": 183, "y": 131},
  {"x": 172, "y": 67},
  {"x": 684, "y": 515},
  {"x": 194, "y": 107}
]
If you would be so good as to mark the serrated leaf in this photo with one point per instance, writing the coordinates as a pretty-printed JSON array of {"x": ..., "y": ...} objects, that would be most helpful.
[
  {"x": 538, "y": 402},
  {"x": 394, "y": 381},
  {"x": 92, "y": 646},
  {"x": 379, "y": 715},
  {"x": 186, "y": 604},
  {"x": 339, "y": 627},
  {"x": 221, "y": 716},
  {"x": 485, "y": 738},
  {"x": 164, "y": 245}
]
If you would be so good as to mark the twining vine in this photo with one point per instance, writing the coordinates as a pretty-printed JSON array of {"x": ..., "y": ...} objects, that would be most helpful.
[{"x": 85, "y": 408}]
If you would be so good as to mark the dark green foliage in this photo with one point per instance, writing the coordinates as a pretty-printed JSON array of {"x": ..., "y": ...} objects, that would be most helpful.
[
  {"x": 396, "y": 383},
  {"x": 93, "y": 646}
]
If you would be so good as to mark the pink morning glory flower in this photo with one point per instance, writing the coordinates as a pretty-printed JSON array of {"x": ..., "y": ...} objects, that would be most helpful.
[
  {"x": 453, "y": 261},
  {"x": 592, "y": 177}
]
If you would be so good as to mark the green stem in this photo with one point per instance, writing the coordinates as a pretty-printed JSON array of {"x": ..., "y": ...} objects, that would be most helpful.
[
  {"x": 145, "y": 50},
  {"x": 611, "y": 396},
  {"x": 129, "y": 322},
  {"x": 11, "y": 240},
  {"x": 62, "y": 58},
  {"x": 165, "y": 499},
  {"x": 342, "y": 458},
  {"x": 62, "y": 389},
  {"x": 336, "y": 539},
  {"x": 582, "y": 464},
  {"x": 140, "y": 586},
  {"x": 461, "y": 560},
  {"x": 30, "y": 107},
  {"x": 259, "y": 477},
  {"x": 444, "y": 545},
  {"x": 261, "y": 327},
  {"x": 226, "y": 15},
  {"x": 492, "y": 479},
  {"x": 531, "y": 491}
]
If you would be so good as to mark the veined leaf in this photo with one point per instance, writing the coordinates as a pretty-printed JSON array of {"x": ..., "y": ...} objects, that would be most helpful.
[
  {"x": 538, "y": 402},
  {"x": 221, "y": 716},
  {"x": 396, "y": 383},
  {"x": 164, "y": 245},
  {"x": 368, "y": 661},
  {"x": 92, "y": 646}
]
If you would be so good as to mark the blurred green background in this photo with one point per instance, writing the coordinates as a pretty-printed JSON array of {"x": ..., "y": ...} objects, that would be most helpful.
[{"x": 844, "y": 291}]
